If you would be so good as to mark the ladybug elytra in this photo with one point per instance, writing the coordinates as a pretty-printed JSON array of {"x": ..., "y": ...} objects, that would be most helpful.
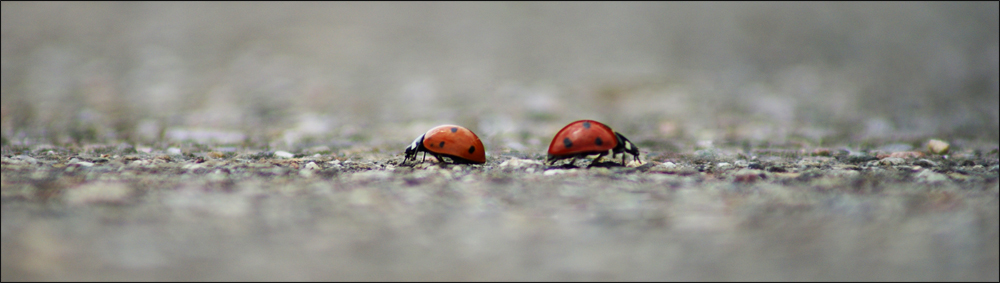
[
  {"x": 457, "y": 143},
  {"x": 589, "y": 137}
]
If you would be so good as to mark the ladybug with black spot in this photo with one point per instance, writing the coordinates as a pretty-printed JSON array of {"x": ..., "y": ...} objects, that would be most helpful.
[
  {"x": 456, "y": 143},
  {"x": 588, "y": 137}
]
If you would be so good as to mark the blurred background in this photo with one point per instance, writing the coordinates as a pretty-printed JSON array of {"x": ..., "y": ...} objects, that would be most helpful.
[
  {"x": 294, "y": 75},
  {"x": 366, "y": 78}
]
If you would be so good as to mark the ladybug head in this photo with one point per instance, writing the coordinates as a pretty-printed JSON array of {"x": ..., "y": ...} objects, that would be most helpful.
[
  {"x": 625, "y": 145},
  {"x": 413, "y": 148}
]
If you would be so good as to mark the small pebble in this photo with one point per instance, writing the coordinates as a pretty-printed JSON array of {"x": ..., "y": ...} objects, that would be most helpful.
[
  {"x": 312, "y": 166},
  {"x": 174, "y": 151},
  {"x": 666, "y": 167},
  {"x": 741, "y": 163},
  {"x": 937, "y": 146},
  {"x": 893, "y": 161},
  {"x": 519, "y": 163},
  {"x": 283, "y": 154},
  {"x": 82, "y": 163}
]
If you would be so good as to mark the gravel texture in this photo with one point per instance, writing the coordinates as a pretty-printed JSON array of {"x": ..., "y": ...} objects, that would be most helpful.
[{"x": 112, "y": 213}]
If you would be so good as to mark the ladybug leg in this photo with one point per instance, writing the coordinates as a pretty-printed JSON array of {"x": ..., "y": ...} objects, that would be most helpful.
[
  {"x": 441, "y": 159},
  {"x": 597, "y": 159}
]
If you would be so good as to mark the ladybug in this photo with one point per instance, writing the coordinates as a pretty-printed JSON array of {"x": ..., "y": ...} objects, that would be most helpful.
[
  {"x": 454, "y": 142},
  {"x": 588, "y": 137}
]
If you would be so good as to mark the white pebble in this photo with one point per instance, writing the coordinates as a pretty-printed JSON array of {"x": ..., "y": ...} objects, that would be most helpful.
[
  {"x": 561, "y": 171},
  {"x": 283, "y": 154},
  {"x": 664, "y": 167},
  {"x": 312, "y": 166},
  {"x": 937, "y": 146},
  {"x": 83, "y": 164},
  {"x": 174, "y": 151}
]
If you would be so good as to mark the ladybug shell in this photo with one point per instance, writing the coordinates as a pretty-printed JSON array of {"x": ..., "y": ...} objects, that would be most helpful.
[
  {"x": 583, "y": 137},
  {"x": 455, "y": 141}
]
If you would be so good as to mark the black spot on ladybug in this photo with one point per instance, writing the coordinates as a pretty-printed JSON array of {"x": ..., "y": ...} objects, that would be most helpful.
[
  {"x": 586, "y": 125},
  {"x": 454, "y": 130},
  {"x": 472, "y": 149},
  {"x": 441, "y": 144},
  {"x": 568, "y": 143},
  {"x": 598, "y": 141}
]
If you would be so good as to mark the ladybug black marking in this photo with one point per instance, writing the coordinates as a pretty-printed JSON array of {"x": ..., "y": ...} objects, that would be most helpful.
[
  {"x": 568, "y": 143},
  {"x": 453, "y": 129},
  {"x": 472, "y": 149},
  {"x": 598, "y": 141},
  {"x": 441, "y": 145}
]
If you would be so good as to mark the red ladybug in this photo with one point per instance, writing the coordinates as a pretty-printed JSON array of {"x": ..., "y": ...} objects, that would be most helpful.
[
  {"x": 588, "y": 137},
  {"x": 454, "y": 142}
]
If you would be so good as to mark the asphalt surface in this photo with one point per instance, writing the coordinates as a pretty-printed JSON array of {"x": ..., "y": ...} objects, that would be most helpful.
[{"x": 263, "y": 141}]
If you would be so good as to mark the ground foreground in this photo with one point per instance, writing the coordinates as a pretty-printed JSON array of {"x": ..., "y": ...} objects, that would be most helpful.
[{"x": 117, "y": 212}]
